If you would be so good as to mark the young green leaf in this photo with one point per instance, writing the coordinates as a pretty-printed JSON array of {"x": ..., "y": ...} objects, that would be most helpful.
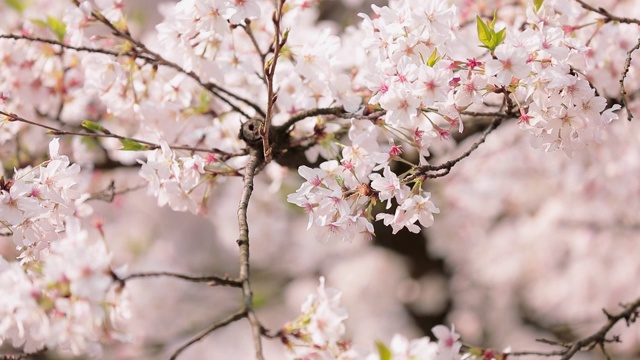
[
  {"x": 484, "y": 33},
  {"x": 492, "y": 24},
  {"x": 499, "y": 37},
  {"x": 56, "y": 26},
  {"x": 17, "y": 5},
  {"x": 538, "y": 4},
  {"x": 383, "y": 351},
  {"x": 131, "y": 145},
  {"x": 434, "y": 58},
  {"x": 90, "y": 125}
]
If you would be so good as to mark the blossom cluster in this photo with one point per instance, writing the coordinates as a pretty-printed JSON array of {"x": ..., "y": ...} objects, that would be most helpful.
[
  {"x": 36, "y": 201},
  {"x": 60, "y": 293},
  {"x": 420, "y": 77},
  {"x": 339, "y": 196},
  {"x": 318, "y": 333},
  {"x": 171, "y": 180},
  {"x": 416, "y": 76}
]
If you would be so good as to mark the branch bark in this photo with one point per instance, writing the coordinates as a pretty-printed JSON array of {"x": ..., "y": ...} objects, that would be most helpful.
[{"x": 255, "y": 159}]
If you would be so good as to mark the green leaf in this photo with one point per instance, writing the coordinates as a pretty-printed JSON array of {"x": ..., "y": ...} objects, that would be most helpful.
[
  {"x": 39, "y": 22},
  {"x": 475, "y": 351},
  {"x": 484, "y": 33},
  {"x": 56, "y": 26},
  {"x": 434, "y": 58},
  {"x": 383, "y": 351},
  {"x": 17, "y": 5},
  {"x": 132, "y": 145},
  {"x": 499, "y": 37},
  {"x": 90, "y": 125},
  {"x": 492, "y": 24},
  {"x": 538, "y": 4}
]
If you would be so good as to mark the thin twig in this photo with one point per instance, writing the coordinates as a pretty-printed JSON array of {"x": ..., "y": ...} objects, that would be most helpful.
[
  {"x": 77, "y": 48},
  {"x": 150, "y": 57},
  {"x": 263, "y": 55},
  {"x": 110, "y": 192},
  {"x": 150, "y": 145},
  {"x": 625, "y": 71},
  {"x": 447, "y": 166},
  {"x": 269, "y": 74},
  {"x": 224, "y": 322},
  {"x": 255, "y": 158},
  {"x": 158, "y": 59},
  {"x": 599, "y": 338},
  {"x": 210, "y": 279},
  {"x": 607, "y": 15}
]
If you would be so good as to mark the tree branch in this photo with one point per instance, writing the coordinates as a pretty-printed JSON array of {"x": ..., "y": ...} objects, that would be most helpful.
[
  {"x": 151, "y": 146},
  {"x": 150, "y": 57},
  {"x": 309, "y": 113},
  {"x": 599, "y": 338},
  {"x": 607, "y": 15},
  {"x": 255, "y": 159},
  {"x": 269, "y": 74},
  {"x": 110, "y": 192},
  {"x": 210, "y": 280},
  {"x": 421, "y": 171},
  {"x": 625, "y": 71},
  {"x": 224, "y": 322}
]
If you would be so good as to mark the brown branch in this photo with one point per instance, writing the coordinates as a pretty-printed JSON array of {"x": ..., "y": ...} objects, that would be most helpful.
[
  {"x": 151, "y": 146},
  {"x": 269, "y": 74},
  {"x": 607, "y": 15},
  {"x": 263, "y": 55},
  {"x": 623, "y": 76},
  {"x": 150, "y": 57},
  {"x": 110, "y": 192},
  {"x": 599, "y": 338},
  {"x": 493, "y": 114},
  {"x": 255, "y": 160},
  {"x": 224, "y": 322},
  {"x": 210, "y": 280},
  {"x": 309, "y": 113},
  {"x": 23, "y": 356},
  {"x": 445, "y": 168},
  {"x": 77, "y": 48},
  {"x": 157, "y": 58}
]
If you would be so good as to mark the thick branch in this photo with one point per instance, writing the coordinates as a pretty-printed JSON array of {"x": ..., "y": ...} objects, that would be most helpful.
[
  {"x": 255, "y": 159},
  {"x": 309, "y": 113}
]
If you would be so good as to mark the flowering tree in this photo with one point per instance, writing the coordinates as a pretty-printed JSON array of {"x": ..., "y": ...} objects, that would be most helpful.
[{"x": 224, "y": 96}]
